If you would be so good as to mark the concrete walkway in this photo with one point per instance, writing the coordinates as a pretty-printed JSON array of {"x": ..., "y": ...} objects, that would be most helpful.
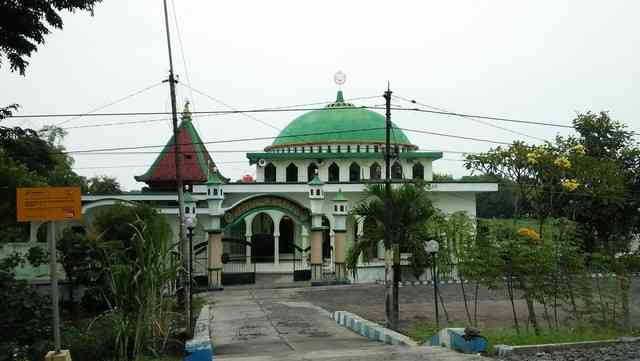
[{"x": 250, "y": 324}]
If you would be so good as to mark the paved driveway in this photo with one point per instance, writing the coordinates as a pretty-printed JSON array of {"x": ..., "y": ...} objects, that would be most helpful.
[{"x": 251, "y": 324}]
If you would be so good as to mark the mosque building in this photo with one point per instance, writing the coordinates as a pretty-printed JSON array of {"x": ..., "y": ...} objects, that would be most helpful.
[{"x": 293, "y": 219}]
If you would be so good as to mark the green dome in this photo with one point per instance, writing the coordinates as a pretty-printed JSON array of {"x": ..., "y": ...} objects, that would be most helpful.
[{"x": 339, "y": 122}]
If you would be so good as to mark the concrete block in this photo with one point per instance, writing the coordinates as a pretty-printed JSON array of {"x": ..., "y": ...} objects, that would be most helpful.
[
  {"x": 198, "y": 350},
  {"x": 63, "y": 355}
]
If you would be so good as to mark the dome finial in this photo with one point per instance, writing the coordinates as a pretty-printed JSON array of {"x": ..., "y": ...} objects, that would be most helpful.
[{"x": 339, "y": 97}]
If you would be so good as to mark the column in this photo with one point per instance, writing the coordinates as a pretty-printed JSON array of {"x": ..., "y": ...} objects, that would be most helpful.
[
  {"x": 316, "y": 254},
  {"x": 247, "y": 235},
  {"x": 340, "y": 256},
  {"x": 305, "y": 243},
  {"x": 276, "y": 248},
  {"x": 215, "y": 260}
]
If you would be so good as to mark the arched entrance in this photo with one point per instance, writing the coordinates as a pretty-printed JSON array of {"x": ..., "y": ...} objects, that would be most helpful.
[
  {"x": 286, "y": 241},
  {"x": 326, "y": 238},
  {"x": 262, "y": 238}
]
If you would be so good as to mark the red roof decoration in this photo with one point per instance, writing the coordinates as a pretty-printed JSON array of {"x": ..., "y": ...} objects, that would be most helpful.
[{"x": 195, "y": 159}]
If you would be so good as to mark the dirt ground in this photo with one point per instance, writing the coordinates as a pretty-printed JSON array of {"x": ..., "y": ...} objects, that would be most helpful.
[{"x": 416, "y": 304}]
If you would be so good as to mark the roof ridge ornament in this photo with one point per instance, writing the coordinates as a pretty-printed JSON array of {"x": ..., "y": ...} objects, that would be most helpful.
[
  {"x": 186, "y": 112},
  {"x": 339, "y": 78}
]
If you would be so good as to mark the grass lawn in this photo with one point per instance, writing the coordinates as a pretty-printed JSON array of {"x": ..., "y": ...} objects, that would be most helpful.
[{"x": 421, "y": 331}]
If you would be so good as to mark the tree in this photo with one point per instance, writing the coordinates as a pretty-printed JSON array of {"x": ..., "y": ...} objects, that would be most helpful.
[
  {"x": 410, "y": 209},
  {"x": 442, "y": 177},
  {"x": 26, "y": 159},
  {"x": 25, "y": 24},
  {"x": 498, "y": 204},
  {"x": 103, "y": 185}
]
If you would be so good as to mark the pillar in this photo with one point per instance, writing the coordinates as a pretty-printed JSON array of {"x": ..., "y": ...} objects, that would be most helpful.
[
  {"x": 316, "y": 254},
  {"x": 340, "y": 256},
  {"x": 248, "y": 248},
  {"x": 215, "y": 260},
  {"x": 305, "y": 243},
  {"x": 276, "y": 248}
]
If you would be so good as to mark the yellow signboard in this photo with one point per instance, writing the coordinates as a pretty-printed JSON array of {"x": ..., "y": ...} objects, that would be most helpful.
[{"x": 48, "y": 204}]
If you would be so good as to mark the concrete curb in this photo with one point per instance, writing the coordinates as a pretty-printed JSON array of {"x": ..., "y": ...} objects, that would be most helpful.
[
  {"x": 200, "y": 347},
  {"x": 505, "y": 350},
  {"x": 371, "y": 330}
]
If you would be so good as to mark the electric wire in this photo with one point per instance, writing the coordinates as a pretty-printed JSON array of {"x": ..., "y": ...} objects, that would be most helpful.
[
  {"x": 76, "y": 116},
  {"x": 472, "y": 119},
  {"x": 231, "y": 107},
  {"x": 184, "y": 61}
]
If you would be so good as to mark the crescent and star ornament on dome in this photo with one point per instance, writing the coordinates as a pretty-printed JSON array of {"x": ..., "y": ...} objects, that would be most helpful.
[{"x": 340, "y": 78}]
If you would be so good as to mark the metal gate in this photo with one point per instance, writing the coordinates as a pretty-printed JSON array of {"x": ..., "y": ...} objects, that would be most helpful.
[{"x": 301, "y": 266}]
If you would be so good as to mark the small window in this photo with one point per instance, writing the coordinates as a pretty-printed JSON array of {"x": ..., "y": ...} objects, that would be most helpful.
[
  {"x": 366, "y": 149},
  {"x": 193, "y": 210},
  {"x": 358, "y": 148},
  {"x": 348, "y": 148},
  {"x": 335, "y": 208},
  {"x": 215, "y": 191},
  {"x": 208, "y": 191},
  {"x": 376, "y": 148},
  {"x": 186, "y": 210},
  {"x": 396, "y": 171},
  {"x": 341, "y": 208},
  {"x": 311, "y": 192},
  {"x": 302, "y": 150},
  {"x": 339, "y": 149},
  {"x": 317, "y": 192},
  {"x": 375, "y": 171},
  {"x": 188, "y": 156},
  {"x": 328, "y": 149}
]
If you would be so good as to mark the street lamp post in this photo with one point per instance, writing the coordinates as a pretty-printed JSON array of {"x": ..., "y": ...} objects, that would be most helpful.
[
  {"x": 190, "y": 223},
  {"x": 432, "y": 247}
]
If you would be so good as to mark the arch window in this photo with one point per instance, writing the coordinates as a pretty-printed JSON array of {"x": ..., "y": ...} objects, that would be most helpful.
[
  {"x": 396, "y": 171},
  {"x": 292, "y": 173},
  {"x": 215, "y": 191},
  {"x": 334, "y": 173},
  {"x": 269, "y": 173},
  {"x": 375, "y": 171},
  {"x": 312, "y": 169},
  {"x": 317, "y": 192},
  {"x": 354, "y": 172},
  {"x": 418, "y": 171}
]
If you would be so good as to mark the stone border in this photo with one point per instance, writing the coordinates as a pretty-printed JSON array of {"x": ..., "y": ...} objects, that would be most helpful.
[
  {"x": 200, "y": 347},
  {"x": 506, "y": 350},
  {"x": 371, "y": 330}
]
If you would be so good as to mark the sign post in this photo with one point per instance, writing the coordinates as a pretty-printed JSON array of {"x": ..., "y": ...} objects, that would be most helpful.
[{"x": 50, "y": 204}]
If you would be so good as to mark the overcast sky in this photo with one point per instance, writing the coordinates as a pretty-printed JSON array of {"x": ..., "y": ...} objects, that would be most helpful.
[{"x": 535, "y": 60}]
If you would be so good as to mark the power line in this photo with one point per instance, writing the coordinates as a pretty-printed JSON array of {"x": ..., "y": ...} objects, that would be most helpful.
[
  {"x": 463, "y": 115},
  {"x": 225, "y": 140},
  {"x": 194, "y": 117},
  {"x": 184, "y": 61},
  {"x": 473, "y": 119},
  {"x": 231, "y": 107},
  {"x": 147, "y": 165},
  {"x": 455, "y": 136},
  {"x": 76, "y": 116}
]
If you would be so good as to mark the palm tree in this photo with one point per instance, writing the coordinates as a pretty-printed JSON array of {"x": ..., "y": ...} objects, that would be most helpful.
[{"x": 411, "y": 208}]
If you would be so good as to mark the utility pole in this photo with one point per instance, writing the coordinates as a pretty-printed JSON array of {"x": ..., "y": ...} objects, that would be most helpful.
[
  {"x": 178, "y": 162},
  {"x": 391, "y": 299}
]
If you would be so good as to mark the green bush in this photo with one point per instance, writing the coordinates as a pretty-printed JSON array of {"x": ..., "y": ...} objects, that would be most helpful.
[{"x": 25, "y": 320}]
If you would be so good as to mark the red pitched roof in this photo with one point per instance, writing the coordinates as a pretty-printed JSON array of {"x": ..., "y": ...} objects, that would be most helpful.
[{"x": 195, "y": 158}]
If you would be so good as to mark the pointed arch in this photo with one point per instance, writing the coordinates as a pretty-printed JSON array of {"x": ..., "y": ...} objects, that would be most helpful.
[
  {"x": 375, "y": 171},
  {"x": 418, "y": 171},
  {"x": 354, "y": 172},
  {"x": 334, "y": 173},
  {"x": 292, "y": 173},
  {"x": 312, "y": 169},
  {"x": 270, "y": 173},
  {"x": 396, "y": 171}
]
